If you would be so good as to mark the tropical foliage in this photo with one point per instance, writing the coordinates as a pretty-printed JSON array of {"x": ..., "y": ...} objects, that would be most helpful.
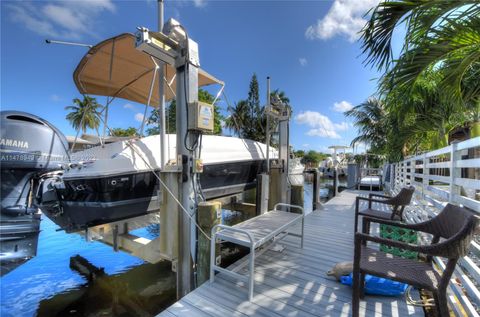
[
  {"x": 171, "y": 113},
  {"x": 432, "y": 86},
  {"x": 313, "y": 157},
  {"x": 84, "y": 114},
  {"x": 130, "y": 131},
  {"x": 247, "y": 118}
]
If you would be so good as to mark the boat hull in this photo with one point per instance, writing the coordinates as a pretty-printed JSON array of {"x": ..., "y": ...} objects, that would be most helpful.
[{"x": 77, "y": 204}]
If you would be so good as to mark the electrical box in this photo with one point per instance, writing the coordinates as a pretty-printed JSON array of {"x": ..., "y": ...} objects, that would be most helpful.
[{"x": 200, "y": 116}]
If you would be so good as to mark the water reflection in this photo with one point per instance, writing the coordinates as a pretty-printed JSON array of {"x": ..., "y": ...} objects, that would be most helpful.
[{"x": 123, "y": 285}]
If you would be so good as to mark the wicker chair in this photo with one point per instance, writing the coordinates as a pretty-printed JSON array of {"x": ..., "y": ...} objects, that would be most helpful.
[
  {"x": 398, "y": 203},
  {"x": 454, "y": 225}
]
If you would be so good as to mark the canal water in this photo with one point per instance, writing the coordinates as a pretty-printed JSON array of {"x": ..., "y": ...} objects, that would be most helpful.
[{"x": 126, "y": 285}]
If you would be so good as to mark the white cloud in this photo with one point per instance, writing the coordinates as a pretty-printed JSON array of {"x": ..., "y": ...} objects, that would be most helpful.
[
  {"x": 306, "y": 145},
  {"x": 129, "y": 106},
  {"x": 341, "y": 126},
  {"x": 55, "y": 98},
  {"x": 303, "y": 61},
  {"x": 345, "y": 17},
  {"x": 199, "y": 3},
  {"x": 62, "y": 19},
  {"x": 320, "y": 124},
  {"x": 342, "y": 106},
  {"x": 139, "y": 117}
]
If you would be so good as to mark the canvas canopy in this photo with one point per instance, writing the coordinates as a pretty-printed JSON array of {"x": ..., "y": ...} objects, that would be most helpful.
[{"x": 116, "y": 68}]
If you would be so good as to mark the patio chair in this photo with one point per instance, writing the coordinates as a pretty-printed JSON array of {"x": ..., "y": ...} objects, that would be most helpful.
[
  {"x": 454, "y": 225},
  {"x": 398, "y": 203}
]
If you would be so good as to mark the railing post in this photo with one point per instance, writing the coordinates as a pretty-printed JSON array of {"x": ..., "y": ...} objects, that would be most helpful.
[
  {"x": 426, "y": 175},
  {"x": 454, "y": 189}
]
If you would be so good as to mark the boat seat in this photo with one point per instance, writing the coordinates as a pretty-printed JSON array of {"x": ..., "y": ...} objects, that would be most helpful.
[{"x": 254, "y": 233}]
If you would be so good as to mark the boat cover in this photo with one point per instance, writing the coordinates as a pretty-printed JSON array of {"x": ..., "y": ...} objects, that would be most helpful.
[{"x": 115, "y": 68}]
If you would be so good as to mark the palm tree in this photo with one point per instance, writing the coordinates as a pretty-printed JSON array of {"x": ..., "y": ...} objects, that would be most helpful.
[
  {"x": 370, "y": 119},
  {"x": 281, "y": 95},
  {"x": 239, "y": 117},
  {"x": 441, "y": 35},
  {"x": 84, "y": 114}
]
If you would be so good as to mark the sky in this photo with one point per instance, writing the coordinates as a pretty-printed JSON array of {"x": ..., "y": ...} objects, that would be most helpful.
[{"x": 310, "y": 50}]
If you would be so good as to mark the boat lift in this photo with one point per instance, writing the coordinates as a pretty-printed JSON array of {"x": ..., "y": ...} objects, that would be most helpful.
[
  {"x": 173, "y": 56},
  {"x": 176, "y": 60}
]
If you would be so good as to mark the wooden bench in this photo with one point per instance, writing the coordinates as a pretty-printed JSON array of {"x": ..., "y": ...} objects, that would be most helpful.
[{"x": 254, "y": 233}]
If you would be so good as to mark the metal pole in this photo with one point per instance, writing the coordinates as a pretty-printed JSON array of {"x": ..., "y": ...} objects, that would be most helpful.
[
  {"x": 267, "y": 137},
  {"x": 184, "y": 271},
  {"x": 161, "y": 96}
]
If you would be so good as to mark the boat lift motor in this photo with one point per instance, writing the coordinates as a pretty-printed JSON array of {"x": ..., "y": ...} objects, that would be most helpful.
[{"x": 277, "y": 109}]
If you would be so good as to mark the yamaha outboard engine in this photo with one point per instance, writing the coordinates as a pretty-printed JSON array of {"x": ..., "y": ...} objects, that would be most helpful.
[{"x": 29, "y": 147}]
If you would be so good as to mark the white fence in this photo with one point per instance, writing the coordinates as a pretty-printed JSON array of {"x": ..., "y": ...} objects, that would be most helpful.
[{"x": 450, "y": 174}]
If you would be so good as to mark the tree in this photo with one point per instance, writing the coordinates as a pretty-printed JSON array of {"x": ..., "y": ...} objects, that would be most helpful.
[
  {"x": 254, "y": 128},
  {"x": 247, "y": 118},
  {"x": 120, "y": 132},
  {"x": 239, "y": 118},
  {"x": 299, "y": 153},
  {"x": 441, "y": 35},
  {"x": 313, "y": 158},
  {"x": 171, "y": 119},
  {"x": 369, "y": 118},
  {"x": 171, "y": 113},
  {"x": 84, "y": 114}
]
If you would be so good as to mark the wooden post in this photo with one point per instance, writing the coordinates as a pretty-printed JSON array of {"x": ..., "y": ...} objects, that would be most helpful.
[
  {"x": 297, "y": 197},
  {"x": 316, "y": 190},
  {"x": 335, "y": 182},
  {"x": 209, "y": 215}
]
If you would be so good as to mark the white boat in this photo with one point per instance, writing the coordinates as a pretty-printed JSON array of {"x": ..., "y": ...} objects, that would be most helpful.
[
  {"x": 118, "y": 180},
  {"x": 295, "y": 171}
]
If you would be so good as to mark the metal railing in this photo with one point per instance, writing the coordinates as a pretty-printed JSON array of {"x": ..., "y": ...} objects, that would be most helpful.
[{"x": 447, "y": 175}]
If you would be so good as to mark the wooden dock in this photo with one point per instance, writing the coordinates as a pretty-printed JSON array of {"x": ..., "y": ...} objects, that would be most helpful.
[{"x": 293, "y": 282}]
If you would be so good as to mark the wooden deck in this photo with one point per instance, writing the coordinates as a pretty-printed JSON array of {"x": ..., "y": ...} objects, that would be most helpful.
[{"x": 293, "y": 282}]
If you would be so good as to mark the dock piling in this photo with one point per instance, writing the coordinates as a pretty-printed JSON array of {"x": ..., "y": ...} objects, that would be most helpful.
[
  {"x": 297, "y": 197},
  {"x": 209, "y": 215}
]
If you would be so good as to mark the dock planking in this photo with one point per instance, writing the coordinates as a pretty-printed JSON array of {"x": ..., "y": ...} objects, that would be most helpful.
[{"x": 293, "y": 282}]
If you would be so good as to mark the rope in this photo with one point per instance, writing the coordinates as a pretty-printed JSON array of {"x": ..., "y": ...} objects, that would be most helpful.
[{"x": 408, "y": 297}]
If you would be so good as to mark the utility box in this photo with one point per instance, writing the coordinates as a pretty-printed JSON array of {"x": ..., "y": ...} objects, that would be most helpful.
[{"x": 200, "y": 116}]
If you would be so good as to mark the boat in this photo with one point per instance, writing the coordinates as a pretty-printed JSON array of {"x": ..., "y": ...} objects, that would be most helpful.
[
  {"x": 30, "y": 147},
  {"x": 119, "y": 180},
  {"x": 337, "y": 162},
  {"x": 295, "y": 171}
]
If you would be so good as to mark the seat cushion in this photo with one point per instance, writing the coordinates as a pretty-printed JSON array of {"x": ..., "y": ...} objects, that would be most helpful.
[{"x": 412, "y": 272}]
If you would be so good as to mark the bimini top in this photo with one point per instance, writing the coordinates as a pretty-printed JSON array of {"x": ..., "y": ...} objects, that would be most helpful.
[{"x": 116, "y": 68}]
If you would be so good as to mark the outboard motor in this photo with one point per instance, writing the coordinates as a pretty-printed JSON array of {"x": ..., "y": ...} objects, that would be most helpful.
[{"x": 29, "y": 147}]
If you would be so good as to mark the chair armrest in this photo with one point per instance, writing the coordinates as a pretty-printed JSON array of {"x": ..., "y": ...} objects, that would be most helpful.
[
  {"x": 378, "y": 195},
  {"x": 392, "y": 243},
  {"x": 288, "y": 205},
  {"x": 370, "y": 200},
  {"x": 419, "y": 227}
]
